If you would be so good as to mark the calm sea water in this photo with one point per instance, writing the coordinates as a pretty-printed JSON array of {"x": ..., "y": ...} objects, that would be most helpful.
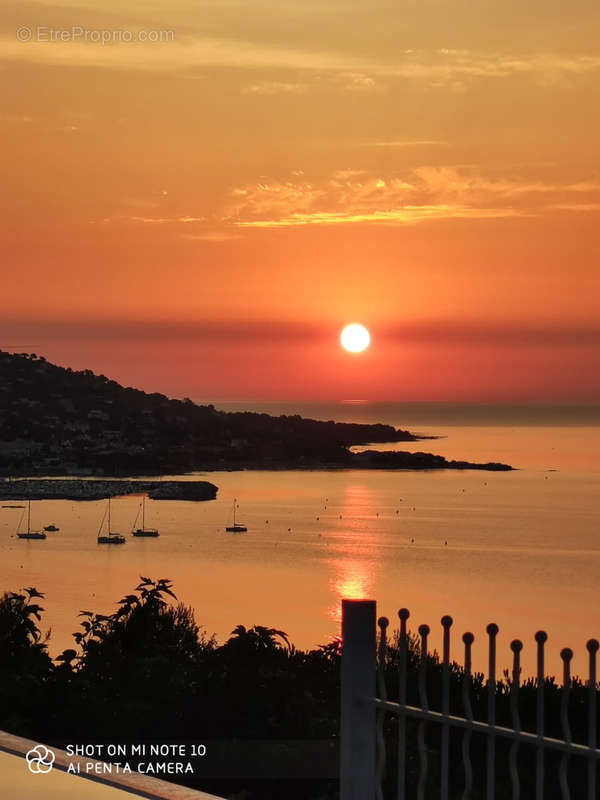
[{"x": 521, "y": 549}]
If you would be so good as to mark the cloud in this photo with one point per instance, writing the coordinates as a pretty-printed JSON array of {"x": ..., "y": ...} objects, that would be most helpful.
[
  {"x": 446, "y": 68},
  {"x": 451, "y": 69},
  {"x": 186, "y": 220},
  {"x": 357, "y": 82},
  {"x": 225, "y": 331},
  {"x": 590, "y": 207},
  {"x": 473, "y": 332},
  {"x": 275, "y": 87},
  {"x": 406, "y": 215},
  {"x": 483, "y": 332},
  {"x": 424, "y": 194},
  {"x": 183, "y": 52},
  {"x": 357, "y": 196},
  {"x": 212, "y": 236},
  {"x": 148, "y": 220}
]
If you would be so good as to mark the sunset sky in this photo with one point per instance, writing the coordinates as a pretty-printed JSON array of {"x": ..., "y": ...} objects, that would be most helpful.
[{"x": 202, "y": 215}]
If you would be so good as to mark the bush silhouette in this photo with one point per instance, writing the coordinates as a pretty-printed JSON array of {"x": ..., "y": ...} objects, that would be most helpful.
[
  {"x": 24, "y": 661},
  {"x": 148, "y": 672}
]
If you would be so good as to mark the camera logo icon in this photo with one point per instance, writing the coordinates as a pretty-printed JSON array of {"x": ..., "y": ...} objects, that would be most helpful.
[{"x": 40, "y": 759}]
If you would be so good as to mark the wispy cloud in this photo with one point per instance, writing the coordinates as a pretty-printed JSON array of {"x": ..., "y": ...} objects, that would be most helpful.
[
  {"x": 212, "y": 236},
  {"x": 357, "y": 196},
  {"x": 186, "y": 220},
  {"x": 424, "y": 194},
  {"x": 184, "y": 52},
  {"x": 275, "y": 87},
  {"x": 406, "y": 215},
  {"x": 358, "y": 82},
  {"x": 591, "y": 207},
  {"x": 443, "y": 67}
]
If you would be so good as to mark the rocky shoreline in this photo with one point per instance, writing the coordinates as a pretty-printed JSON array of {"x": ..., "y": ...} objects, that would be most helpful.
[
  {"x": 80, "y": 488},
  {"x": 76, "y": 489},
  {"x": 399, "y": 459}
]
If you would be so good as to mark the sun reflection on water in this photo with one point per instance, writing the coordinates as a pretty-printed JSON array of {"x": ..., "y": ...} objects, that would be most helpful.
[{"x": 353, "y": 578}]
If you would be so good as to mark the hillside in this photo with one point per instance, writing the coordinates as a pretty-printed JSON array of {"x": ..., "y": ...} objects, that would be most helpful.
[{"x": 55, "y": 421}]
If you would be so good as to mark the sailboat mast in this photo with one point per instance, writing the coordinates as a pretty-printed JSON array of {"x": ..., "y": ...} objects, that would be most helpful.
[
  {"x": 144, "y": 512},
  {"x": 234, "y": 499},
  {"x": 109, "y": 516}
]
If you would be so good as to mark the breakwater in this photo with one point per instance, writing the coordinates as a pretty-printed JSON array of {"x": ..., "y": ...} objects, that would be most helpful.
[{"x": 81, "y": 489}]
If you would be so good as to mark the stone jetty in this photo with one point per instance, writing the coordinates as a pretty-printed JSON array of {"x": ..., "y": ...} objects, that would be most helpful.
[{"x": 81, "y": 489}]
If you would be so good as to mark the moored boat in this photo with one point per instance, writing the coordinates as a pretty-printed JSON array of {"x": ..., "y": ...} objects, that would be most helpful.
[
  {"x": 110, "y": 537},
  {"x": 237, "y": 527},
  {"x": 144, "y": 531},
  {"x": 29, "y": 534}
]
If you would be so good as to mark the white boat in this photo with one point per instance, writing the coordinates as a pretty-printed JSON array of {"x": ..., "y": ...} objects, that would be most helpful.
[
  {"x": 29, "y": 534},
  {"x": 110, "y": 537},
  {"x": 236, "y": 527},
  {"x": 144, "y": 531}
]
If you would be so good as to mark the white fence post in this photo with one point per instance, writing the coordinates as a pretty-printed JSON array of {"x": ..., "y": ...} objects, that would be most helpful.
[{"x": 359, "y": 670}]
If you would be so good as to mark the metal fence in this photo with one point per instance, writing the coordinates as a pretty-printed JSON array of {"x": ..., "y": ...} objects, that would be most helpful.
[{"x": 435, "y": 745}]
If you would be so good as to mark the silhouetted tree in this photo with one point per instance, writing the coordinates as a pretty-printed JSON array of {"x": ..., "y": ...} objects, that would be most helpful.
[{"x": 24, "y": 661}]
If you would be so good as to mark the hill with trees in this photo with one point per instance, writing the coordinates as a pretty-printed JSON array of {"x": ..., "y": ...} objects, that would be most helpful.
[{"x": 55, "y": 421}]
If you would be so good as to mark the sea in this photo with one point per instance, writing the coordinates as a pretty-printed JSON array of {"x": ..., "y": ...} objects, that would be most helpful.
[{"x": 520, "y": 548}]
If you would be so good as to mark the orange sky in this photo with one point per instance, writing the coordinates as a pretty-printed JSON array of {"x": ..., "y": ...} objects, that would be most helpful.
[{"x": 201, "y": 215}]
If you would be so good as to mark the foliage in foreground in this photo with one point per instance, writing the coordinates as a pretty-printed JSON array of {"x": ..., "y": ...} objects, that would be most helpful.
[{"x": 149, "y": 673}]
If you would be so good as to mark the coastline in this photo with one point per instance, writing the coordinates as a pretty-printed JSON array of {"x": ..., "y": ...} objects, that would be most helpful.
[{"x": 85, "y": 488}]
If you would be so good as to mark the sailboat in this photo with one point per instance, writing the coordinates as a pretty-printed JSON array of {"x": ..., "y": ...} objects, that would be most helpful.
[
  {"x": 236, "y": 527},
  {"x": 29, "y": 534},
  {"x": 109, "y": 537},
  {"x": 143, "y": 531}
]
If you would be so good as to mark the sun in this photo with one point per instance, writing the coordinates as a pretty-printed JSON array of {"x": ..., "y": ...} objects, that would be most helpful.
[{"x": 355, "y": 338}]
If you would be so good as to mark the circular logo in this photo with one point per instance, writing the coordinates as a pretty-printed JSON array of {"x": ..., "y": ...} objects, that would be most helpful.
[
  {"x": 40, "y": 759},
  {"x": 24, "y": 33}
]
